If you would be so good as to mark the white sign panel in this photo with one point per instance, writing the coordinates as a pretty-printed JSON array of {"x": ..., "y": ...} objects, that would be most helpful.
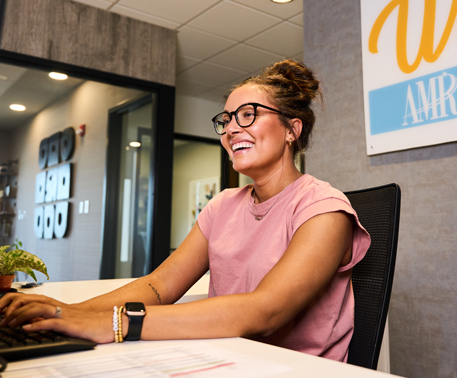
[{"x": 409, "y": 50}]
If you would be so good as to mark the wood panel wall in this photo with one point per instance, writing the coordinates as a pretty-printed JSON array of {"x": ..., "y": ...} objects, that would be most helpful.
[{"x": 74, "y": 33}]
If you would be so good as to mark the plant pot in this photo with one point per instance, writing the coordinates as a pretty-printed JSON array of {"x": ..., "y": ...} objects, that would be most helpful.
[{"x": 5, "y": 283}]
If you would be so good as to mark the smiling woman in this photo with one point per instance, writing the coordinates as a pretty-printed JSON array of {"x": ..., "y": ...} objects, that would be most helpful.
[
  {"x": 280, "y": 250},
  {"x": 284, "y": 221}
]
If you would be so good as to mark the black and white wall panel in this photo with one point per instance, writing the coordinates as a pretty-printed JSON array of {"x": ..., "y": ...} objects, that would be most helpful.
[{"x": 53, "y": 185}]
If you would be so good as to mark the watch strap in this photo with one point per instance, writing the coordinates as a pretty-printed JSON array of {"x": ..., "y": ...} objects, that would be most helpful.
[{"x": 135, "y": 326}]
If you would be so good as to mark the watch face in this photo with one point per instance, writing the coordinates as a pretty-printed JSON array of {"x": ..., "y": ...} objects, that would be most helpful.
[{"x": 135, "y": 307}]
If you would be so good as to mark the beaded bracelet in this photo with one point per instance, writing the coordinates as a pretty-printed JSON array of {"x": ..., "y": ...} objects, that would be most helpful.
[
  {"x": 119, "y": 320},
  {"x": 117, "y": 324}
]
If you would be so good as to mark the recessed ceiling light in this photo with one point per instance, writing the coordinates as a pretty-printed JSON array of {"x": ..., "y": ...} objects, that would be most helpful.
[
  {"x": 281, "y": 1},
  {"x": 57, "y": 76},
  {"x": 135, "y": 144},
  {"x": 17, "y": 107}
]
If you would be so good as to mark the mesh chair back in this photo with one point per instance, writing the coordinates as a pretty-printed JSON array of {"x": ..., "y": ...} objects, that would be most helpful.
[{"x": 378, "y": 210}]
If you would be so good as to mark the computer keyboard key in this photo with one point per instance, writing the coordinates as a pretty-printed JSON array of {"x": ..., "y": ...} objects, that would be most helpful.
[
  {"x": 11, "y": 341},
  {"x": 30, "y": 342},
  {"x": 45, "y": 340},
  {"x": 20, "y": 335}
]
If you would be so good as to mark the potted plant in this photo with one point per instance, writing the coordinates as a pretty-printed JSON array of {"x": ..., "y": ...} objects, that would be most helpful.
[{"x": 18, "y": 260}]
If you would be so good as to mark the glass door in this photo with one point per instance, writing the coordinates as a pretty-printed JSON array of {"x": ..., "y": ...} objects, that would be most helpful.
[
  {"x": 143, "y": 205},
  {"x": 130, "y": 155}
]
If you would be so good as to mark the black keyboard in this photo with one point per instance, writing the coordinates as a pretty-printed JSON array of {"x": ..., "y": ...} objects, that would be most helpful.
[{"x": 16, "y": 344}]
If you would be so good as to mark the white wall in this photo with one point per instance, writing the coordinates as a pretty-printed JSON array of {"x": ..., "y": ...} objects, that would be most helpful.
[{"x": 193, "y": 116}]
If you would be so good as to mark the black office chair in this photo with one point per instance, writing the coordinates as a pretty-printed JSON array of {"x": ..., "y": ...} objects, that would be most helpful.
[{"x": 378, "y": 210}]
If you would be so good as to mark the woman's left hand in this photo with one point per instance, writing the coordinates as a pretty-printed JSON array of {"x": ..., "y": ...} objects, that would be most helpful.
[{"x": 94, "y": 326}]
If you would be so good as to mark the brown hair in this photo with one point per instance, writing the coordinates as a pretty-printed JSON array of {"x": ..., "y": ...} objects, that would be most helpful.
[{"x": 292, "y": 87}]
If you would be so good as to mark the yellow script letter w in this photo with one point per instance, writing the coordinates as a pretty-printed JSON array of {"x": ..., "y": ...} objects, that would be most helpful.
[{"x": 427, "y": 38}]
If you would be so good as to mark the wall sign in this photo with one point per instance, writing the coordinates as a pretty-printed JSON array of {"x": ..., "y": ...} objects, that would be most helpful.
[
  {"x": 54, "y": 185},
  {"x": 409, "y": 73}
]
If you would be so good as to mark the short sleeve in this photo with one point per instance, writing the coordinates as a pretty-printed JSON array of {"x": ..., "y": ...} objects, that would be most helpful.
[
  {"x": 360, "y": 238},
  {"x": 206, "y": 217},
  {"x": 204, "y": 220}
]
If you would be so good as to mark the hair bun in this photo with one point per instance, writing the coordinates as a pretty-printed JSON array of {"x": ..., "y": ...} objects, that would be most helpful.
[{"x": 294, "y": 76}]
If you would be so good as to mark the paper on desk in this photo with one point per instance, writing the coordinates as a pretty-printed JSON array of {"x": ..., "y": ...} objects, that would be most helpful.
[{"x": 197, "y": 359}]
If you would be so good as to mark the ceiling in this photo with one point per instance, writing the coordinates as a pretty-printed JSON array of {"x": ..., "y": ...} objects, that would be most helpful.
[
  {"x": 220, "y": 42},
  {"x": 31, "y": 87}
]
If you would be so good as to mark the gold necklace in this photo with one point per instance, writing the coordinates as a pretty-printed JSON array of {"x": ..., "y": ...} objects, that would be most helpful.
[{"x": 256, "y": 217}]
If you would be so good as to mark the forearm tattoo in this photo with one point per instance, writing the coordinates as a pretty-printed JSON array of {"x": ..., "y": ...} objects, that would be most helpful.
[{"x": 156, "y": 292}]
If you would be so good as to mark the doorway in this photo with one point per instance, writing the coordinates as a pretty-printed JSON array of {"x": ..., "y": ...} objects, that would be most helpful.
[
  {"x": 201, "y": 169},
  {"x": 130, "y": 174}
]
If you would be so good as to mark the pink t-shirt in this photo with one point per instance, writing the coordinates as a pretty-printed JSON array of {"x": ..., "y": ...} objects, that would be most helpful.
[{"x": 243, "y": 250}]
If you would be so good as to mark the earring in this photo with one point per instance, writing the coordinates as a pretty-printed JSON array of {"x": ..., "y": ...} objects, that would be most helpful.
[{"x": 290, "y": 142}]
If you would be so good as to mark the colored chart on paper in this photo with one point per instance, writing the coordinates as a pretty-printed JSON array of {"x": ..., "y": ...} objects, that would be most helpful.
[{"x": 189, "y": 360}]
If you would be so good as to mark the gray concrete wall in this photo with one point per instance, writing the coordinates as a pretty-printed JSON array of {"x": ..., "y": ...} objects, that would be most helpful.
[{"x": 423, "y": 320}]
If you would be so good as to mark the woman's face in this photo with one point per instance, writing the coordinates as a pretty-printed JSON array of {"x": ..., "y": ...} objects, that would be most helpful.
[{"x": 263, "y": 143}]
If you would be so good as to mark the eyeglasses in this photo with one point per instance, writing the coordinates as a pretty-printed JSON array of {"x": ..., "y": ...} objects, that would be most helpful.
[{"x": 244, "y": 115}]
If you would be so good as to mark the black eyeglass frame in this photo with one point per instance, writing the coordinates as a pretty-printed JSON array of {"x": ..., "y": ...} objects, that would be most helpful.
[{"x": 255, "y": 105}]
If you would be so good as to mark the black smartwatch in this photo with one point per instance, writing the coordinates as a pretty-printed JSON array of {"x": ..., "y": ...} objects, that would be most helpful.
[{"x": 136, "y": 312}]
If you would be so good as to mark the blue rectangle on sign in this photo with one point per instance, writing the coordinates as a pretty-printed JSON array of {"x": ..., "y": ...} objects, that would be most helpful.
[{"x": 417, "y": 102}]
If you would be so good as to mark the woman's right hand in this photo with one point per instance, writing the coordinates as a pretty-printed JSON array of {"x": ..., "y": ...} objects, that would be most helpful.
[{"x": 12, "y": 301}]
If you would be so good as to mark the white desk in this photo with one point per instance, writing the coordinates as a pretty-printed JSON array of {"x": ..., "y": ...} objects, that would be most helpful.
[
  {"x": 302, "y": 365},
  {"x": 79, "y": 291}
]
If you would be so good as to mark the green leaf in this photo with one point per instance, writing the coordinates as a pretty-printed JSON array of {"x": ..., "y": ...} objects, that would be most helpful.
[
  {"x": 19, "y": 260},
  {"x": 30, "y": 272}
]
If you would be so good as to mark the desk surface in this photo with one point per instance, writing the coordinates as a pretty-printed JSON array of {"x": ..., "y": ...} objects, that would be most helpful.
[
  {"x": 301, "y": 364},
  {"x": 79, "y": 291}
]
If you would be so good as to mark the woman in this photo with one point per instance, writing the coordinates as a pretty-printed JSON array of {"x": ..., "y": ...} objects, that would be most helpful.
[{"x": 280, "y": 251}]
